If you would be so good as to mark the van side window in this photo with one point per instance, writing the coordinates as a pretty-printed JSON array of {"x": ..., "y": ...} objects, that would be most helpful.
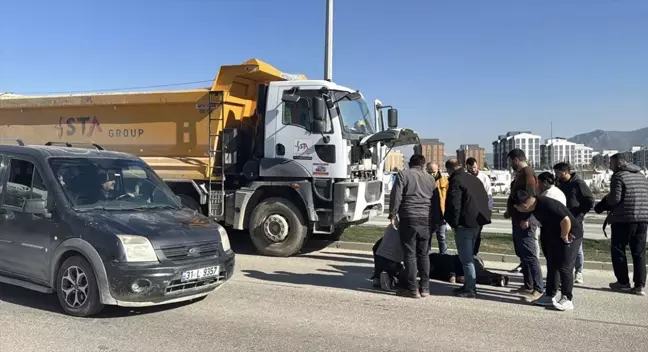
[{"x": 24, "y": 182}]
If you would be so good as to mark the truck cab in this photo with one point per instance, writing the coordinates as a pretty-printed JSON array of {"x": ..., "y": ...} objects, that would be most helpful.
[{"x": 317, "y": 148}]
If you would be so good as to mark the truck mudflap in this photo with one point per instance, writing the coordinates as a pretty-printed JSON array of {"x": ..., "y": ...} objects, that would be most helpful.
[{"x": 356, "y": 202}]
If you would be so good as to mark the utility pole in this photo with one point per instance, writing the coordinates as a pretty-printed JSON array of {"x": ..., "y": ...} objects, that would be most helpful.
[{"x": 328, "y": 44}]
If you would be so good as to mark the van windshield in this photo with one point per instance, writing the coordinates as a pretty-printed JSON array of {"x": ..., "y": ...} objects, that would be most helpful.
[{"x": 111, "y": 184}]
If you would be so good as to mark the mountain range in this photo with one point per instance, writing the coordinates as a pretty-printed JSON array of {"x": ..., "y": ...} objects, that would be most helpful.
[{"x": 615, "y": 140}]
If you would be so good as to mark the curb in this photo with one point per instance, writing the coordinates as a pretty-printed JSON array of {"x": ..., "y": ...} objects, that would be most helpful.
[{"x": 488, "y": 257}]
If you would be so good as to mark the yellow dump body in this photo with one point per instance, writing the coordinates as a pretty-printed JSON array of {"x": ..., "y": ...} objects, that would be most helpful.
[{"x": 168, "y": 129}]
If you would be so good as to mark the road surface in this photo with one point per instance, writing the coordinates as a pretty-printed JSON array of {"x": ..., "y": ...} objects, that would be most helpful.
[
  {"x": 592, "y": 231},
  {"x": 323, "y": 302}
]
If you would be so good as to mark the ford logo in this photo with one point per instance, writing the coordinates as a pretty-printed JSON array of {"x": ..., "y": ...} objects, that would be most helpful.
[{"x": 193, "y": 252}]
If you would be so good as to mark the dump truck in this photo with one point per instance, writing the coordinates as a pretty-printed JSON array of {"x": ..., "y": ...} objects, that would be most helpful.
[{"x": 261, "y": 150}]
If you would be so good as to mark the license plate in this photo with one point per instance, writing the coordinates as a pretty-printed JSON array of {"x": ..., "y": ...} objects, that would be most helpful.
[{"x": 201, "y": 273}]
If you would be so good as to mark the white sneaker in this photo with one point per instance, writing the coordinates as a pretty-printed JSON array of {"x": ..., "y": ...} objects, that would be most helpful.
[
  {"x": 579, "y": 278},
  {"x": 386, "y": 282},
  {"x": 564, "y": 304}
]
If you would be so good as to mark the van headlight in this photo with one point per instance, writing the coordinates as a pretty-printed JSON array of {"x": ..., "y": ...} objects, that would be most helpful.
[
  {"x": 224, "y": 239},
  {"x": 137, "y": 249}
]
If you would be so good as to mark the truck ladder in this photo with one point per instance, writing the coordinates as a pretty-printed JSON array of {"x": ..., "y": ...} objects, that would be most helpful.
[{"x": 216, "y": 187}]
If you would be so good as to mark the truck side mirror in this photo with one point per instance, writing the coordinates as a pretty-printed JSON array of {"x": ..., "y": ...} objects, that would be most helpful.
[
  {"x": 319, "y": 115},
  {"x": 290, "y": 98},
  {"x": 392, "y": 118}
]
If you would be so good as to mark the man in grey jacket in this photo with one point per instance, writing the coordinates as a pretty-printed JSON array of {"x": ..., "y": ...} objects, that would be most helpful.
[
  {"x": 415, "y": 210},
  {"x": 627, "y": 204}
]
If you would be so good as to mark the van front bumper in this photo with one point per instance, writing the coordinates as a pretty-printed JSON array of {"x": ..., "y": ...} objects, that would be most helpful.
[{"x": 133, "y": 285}]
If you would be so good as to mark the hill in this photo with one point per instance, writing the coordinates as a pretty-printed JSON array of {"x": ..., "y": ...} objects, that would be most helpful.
[{"x": 618, "y": 140}]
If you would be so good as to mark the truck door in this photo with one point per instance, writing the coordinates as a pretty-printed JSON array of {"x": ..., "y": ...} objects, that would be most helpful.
[{"x": 293, "y": 139}]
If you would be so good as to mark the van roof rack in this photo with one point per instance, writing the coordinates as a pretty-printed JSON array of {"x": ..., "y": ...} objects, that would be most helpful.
[
  {"x": 69, "y": 145},
  {"x": 17, "y": 140}
]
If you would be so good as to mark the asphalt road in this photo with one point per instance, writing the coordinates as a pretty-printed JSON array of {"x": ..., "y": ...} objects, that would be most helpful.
[
  {"x": 324, "y": 302},
  {"x": 592, "y": 231}
]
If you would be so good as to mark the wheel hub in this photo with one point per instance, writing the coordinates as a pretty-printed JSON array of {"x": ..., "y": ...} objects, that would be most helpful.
[
  {"x": 74, "y": 285},
  {"x": 275, "y": 228}
]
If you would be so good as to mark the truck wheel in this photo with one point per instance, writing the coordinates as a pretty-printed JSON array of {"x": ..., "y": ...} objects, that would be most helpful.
[
  {"x": 277, "y": 228},
  {"x": 76, "y": 288},
  {"x": 189, "y": 202}
]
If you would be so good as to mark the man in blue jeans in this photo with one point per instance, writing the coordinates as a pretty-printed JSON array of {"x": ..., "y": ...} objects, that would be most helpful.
[
  {"x": 466, "y": 211},
  {"x": 525, "y": 227}
]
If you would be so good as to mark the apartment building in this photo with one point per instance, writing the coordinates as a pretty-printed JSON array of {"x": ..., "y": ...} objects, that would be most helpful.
[
  {"x": 434, "y": 151},
  {"x": 394, "y": 161},
  {"x": 525, "y": 140},
  {"x": 466, "y": 151}
]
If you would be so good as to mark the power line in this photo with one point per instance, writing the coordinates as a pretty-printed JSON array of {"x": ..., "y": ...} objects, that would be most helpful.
[{"x": 120, "y": 89}]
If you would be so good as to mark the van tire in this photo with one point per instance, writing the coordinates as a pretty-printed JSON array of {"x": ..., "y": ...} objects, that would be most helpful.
[
  {"x": 284, "y": 213},
  {"x": 78, "y": 269}
]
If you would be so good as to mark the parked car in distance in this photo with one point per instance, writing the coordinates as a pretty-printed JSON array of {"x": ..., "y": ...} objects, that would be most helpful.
[
  {"x": 101, "y": 228},
  {"x": 500, "y": 188}
]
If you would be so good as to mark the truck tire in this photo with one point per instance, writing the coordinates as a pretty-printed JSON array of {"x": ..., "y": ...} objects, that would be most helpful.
[{"x": 277, "y": 228}]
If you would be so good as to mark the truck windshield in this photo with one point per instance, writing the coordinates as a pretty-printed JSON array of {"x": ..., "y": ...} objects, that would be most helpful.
[
  {"x": 111, "y": 184},
  {"x": 354, "y": 115}
]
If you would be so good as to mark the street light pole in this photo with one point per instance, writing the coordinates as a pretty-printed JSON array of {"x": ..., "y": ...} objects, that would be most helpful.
[{"x": 328, "y": 45}]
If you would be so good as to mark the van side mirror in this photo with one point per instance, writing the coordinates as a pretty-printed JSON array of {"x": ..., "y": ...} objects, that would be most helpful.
[
  {"x": 392, "y": 118},
  {"x": 36, "y": 207}
]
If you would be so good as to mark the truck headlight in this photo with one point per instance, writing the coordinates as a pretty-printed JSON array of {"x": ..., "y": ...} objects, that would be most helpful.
[
  {"x": 224, "y": 239},
  {"x": 137, "y": 249}
]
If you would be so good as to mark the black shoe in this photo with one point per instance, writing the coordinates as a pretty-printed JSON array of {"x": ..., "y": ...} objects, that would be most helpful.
[
  {"x": 459, "y": 289},
  {"x": 424, "y": 293},
  {"x": 467, "y": 294},
  {"x": 408, "y": 293}
]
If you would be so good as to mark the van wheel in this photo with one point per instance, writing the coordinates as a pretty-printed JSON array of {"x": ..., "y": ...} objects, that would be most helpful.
[
  {"x": 277, "y": 228},
  {"x": 76, "y": 288}
]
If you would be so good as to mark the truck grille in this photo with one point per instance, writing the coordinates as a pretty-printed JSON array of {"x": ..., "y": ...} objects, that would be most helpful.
[
  {"x": 185, "y": 252},
  {"x": 374, "y": 189}
]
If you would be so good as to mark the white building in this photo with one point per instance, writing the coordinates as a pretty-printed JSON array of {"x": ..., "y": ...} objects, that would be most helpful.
[
  {"x": 525, "y": 140},
  {"x": 559, "y": 149}
]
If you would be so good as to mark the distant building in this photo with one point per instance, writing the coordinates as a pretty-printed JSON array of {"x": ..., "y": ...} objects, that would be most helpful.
[
  {"x": 525, "y": 140},
  {"x": 559, "y": 149},
  {"x": 466, "y": 151},
  {"x": 434, "y": 151},
  {"x": 602, "y": 159},
  {"x": 640, "y": 157},
  {"x": 395, "y": 160}
]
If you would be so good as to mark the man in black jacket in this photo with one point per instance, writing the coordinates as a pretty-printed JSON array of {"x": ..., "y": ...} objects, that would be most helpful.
[
  {"x": 580, "y": 201},
  {"x": 466, "y": 211},
  {"x": 627, "y": 204}
]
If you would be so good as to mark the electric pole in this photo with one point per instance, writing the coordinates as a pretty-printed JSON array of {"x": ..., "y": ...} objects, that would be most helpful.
[{"x": 328, "y": 44}]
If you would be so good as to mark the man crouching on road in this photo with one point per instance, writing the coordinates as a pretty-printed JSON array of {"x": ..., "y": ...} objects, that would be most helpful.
[
  {"x": 414, "y": 209},
  {"x": 466, "y": 211}
]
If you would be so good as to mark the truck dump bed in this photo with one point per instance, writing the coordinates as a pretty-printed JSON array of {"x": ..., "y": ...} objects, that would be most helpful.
[{"x": 170, "y": 130}]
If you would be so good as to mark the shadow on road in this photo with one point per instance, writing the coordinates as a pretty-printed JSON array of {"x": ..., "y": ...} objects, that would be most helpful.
[{"x": 49, "y": 303}]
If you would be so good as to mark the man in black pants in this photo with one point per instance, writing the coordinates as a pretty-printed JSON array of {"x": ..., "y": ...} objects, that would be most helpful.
[
  {"x": 627, "y": 203},
  {"x": 415, "y": 210},
  {"x": 563, "y": 235}
]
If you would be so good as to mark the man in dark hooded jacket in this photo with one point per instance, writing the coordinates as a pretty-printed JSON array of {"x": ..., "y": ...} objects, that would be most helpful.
[
  {"x": 580, "y": 201},
  {"x": 627, "y": 204}
]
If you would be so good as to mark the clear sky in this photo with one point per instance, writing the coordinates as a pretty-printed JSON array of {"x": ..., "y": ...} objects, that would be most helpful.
[{"x": 461, "y": 70}]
